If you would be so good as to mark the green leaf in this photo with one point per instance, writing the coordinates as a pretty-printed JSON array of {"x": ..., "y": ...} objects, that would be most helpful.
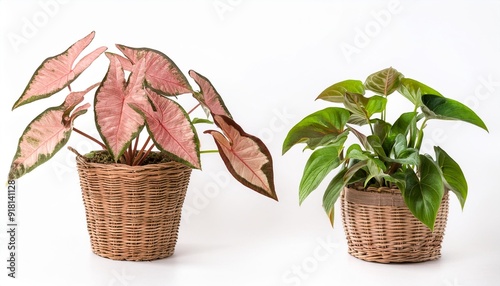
[
  {"x": 423, "y": 195},
  {"x": 439, "y": 107},
  {"x": 197, "y": 120},
  {"x": 384, "y": 82},
  {"x": 413, "y": 90},
  {"x": 336, "y": 92},
  {"x": 363, "y": 108},
  {"x": 452, "y": 174},
  {"x": 332, "y": 193},
  {"x": 321, "y": 162},
  {"x": 318, "y": 128}
]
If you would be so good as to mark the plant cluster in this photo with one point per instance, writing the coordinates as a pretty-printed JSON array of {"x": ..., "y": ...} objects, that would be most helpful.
[
  {"x": 126, "y": 106},
  {"x": 389, "y": 154}
]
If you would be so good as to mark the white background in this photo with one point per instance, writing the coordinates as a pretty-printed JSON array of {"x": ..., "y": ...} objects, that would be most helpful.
[{"x": 269, "y": 60}]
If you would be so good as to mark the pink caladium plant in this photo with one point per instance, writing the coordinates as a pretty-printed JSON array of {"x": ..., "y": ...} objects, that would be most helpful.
[{"x": 138, "y": 92}]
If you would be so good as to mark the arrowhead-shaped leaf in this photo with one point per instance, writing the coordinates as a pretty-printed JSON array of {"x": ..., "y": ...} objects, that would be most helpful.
[
  {"x": 439, "y": 107},
  {"x": 336, "y": 92},
  {"x": 317, "y": 128},
  {"x": 246, "y": 157},
  {"x": 170, "y": 128},
  {"x": 363, "y": 108},
  {"x": 452, "y": 174},
  {"x": 162, "y": 74},
  {"x": 423, "y": 195},
  {"x": 46, "y": 134},
  {"x": 116, "y": 121},
  {"x": 209, "y": 98},
  {"x": 384, "y": 82},
  {"x": 55, "y": 73},
  {"x": 413, "y": 90}
]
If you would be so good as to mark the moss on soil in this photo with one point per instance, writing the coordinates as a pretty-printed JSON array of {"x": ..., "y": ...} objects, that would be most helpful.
[{"x": 103, "y": 157}]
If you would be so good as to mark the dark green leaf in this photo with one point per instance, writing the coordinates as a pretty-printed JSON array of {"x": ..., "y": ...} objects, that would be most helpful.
[
  {"x": 336, "y": 92},
  {"x": 444, "y": 108},
  {"x": 423, "y": 195},
  {"x": 332, "y": 193},
  {"x": 452, "y": 174},
  {"x": 384, "y": 82},
  {"x": 318, "y": 128}
]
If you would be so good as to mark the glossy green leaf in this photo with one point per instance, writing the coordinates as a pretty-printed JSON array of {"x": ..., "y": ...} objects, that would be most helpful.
[
  {"x": 336, "y": 92},
  {"x": 332, "y": 193},
  {"x": 444, "y": 108},
  {"x": 383, "y": 82},
  {"x": 320, "y": 164},
  {"x": 317, "y": 128},
  {"x": 363, "y": 108},
  {"x": 452, "y": 174},
  {"x": 413, "y": 90},
  {"x": 423, "y": 195}
]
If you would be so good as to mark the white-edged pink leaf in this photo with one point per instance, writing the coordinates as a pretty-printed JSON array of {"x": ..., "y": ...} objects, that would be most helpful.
[
  {"x": 46, "y": 135},
  {"x": 246, "y": 157},
  {"x": 162, "y": 74},
  {"x": 170, "y": 129},
  {"x": 209, "y": 97},
  {"x": 55, "y": 73},
  {"x": 117, "y": 123}
]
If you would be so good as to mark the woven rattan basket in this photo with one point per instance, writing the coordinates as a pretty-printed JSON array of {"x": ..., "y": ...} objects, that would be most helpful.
[
  {"x": 133, "y": 213},
  {"x": 379, "y": 227}
]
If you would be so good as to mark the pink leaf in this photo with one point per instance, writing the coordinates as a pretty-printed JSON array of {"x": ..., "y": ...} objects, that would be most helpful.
[
  {"x": 116, "y": 121},
  {"x": 209, "y": 97},
  {"x": 170, "y": 128},
  {"x": 46, "y": 135},
  {"x": 162, "y": 74},
  {"x": 246, "y": 156},
  {"x": 55, "y": 73}
]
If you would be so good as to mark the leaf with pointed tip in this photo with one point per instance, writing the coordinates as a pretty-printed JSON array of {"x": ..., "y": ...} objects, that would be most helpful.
[
  {"x": 116, "y": 121},
  {"x": 332, "y": 193},
  {"x": 55, "y": 73},
  {"x": 440, "y": 107},
  {"x": 413, "y": 90},
  {"x": 423, "y": 195},
  {"x": 245, "y": 156},
  {"x": 454, "y": 178},
  {"x": 209, "y": 97},
  {"x": 363, "y": 108},
  {"x": 162, "y": 74},
  {"x": 384, "y": 82},
  {"x": 46, "y": 134},
  {"x": 170, "y": 129},
  {"x": 336, "y": 92},
  {"x": 318, "y": 128}
]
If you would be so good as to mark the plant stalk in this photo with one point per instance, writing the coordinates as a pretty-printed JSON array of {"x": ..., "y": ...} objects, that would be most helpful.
[{"x": 90, "y": 137}]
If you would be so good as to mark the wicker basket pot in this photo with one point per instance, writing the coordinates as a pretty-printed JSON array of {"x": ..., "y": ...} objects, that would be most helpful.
[
  {"x": 379, "y": 227},
  {"x": 133, "y": 213}
]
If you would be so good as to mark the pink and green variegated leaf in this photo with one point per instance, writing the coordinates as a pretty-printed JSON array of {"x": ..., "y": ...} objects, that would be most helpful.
[
  {"x": 209, "y": 98},
  {"x": 162, "y": 74},
  {"x": 46, "y": 135},
  {"x": 55, "y": 73},
  {"x": 116, "y": 121},
  {"x": 170, "y": 129},
  {"x": 246, "y": 157}
]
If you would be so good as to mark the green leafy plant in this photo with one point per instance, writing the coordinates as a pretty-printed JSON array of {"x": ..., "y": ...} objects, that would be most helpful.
[
  {"x": 123, "y": 106},
  {"x": 388, "y": 154}
]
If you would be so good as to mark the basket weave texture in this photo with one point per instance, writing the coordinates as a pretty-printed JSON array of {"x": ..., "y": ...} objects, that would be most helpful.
[
  {"x": 133, "y": 213},
  {"x": 379, "y": 227}
]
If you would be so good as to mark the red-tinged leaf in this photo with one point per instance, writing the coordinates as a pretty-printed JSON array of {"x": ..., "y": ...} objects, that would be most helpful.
[
  {"x": 116, "y": 121},
  {"x": 246, "y": 157},
  {"x": 46, "y": 135},
  {"x": 170, "y": 128},
  {"x": 162, "y": 74},
  {"x": 209, "y": 97},
  {"x": 55, "y": 73}
]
